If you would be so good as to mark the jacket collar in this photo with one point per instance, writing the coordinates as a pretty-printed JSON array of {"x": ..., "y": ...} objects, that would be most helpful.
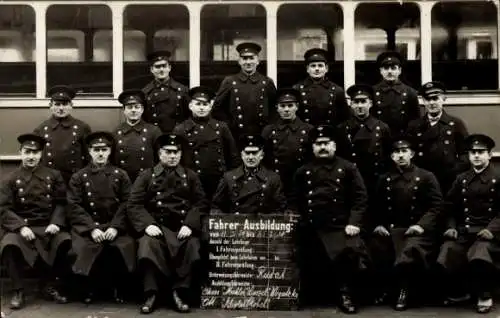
[
  {"x": 397, "y": 86},
  {"x": 126, "y": 128},
  {"x": 407, "y": 173},
  {"x": 159, "y": 169},
  {"x": 325, "y": 82},
  {"x": 293, "y": 125},
  {"x": 65, "y": 122},
  {"x": 254, "y": 78},
  {"x": 190, "y": 124},
  {"x": 240, "y": 172}
]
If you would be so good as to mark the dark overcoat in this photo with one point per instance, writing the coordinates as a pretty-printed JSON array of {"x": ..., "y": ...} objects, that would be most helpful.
[
  {"x": 97, "y": 199},
  {"x": 166, "y": 104},
  {"x": 473, "y": 204},
  {"x": 285, "y": 149},
  {"x": 170, "y": 199},
  {"x": 34, "y": 198},
  {"x": 396, "y": 104},
  {"x": 246, "y": 103},
  {"x": 440, "y": 148},
  {"x": 65, "y": 149},
  {"x": 322, "y": 102},
  {"x": 135, "y": 147},
  {"x": 329, "y": 195},
  {"x": 406, "y": 197}
]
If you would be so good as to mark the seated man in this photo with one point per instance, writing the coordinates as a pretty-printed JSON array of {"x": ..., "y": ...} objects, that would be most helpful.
[
  {"x": 471, "y": 252},
  {"x": 407, "y": 206},
  {"x": 165, "y": 207},
  {"x": 251, "y": 188},
  {"x": 97, "y": 200},
  {"x": 32, "y": 205}
]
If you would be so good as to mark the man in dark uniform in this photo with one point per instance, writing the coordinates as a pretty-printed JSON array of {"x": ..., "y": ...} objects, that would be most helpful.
[
  {"x": 439, "y": 137},
  {"x": 211, "y": 145},
  {"x": 287, "y": 139},
  {"x": 250, "y": 188},
  {"x": 33, "y": 219},
  {"x": 368, "y": 139},
  {"x": 322, "y": 101},
  {"x": 471, "y": 252},
  {"x": 97, "y": 198},
  {"x": 406, "y": 213},
  {"x": 396, "y": 104},
  {"x": 166, "y": 99},
  {"x": 135, "y": 137},
  {"x": 65, "y": 147},
  {"x": 245, "y": 100},
  {"x": 331, "y": 198},
  {"x": 165, "y": 206}
]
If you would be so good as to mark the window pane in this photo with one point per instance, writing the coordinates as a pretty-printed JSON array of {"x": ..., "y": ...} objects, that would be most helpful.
[
  {"x": 17, "y": 45},
  {"x": 464, "y": 45},
  {"x": 148, "y": 28},
  {"x": 74, "y": 56},
  {"x": 223, "y": 27},
  {"x": 305, "y": 26},
  {"x": 387, "y": 26}
]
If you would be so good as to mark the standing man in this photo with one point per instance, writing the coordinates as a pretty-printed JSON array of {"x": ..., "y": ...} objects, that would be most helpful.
[
  {"x": 250, "y": 188},
  {"x": 165, "y": 206},
  {"x": 97, "y": 198},
  {"x": 287, "y": 139},
  {"x": 65, "y": 146},
  {"x": 322, "y": 101},
  {"x": 331, "y": 198},
  {"x": 245, "y": 100},
  {"x": 135, "y": 137},
  {"x": 166, "y": 99},
  {"x": 33, "y": 219},
  {"x": 396, "y": 104},
  {"x": 439, "y": 137},
  {"x": 368, "y": 139},
  {"x": 211, "y": 145},
  {"x": 406, "y": 232},
  {"x": 471, "y": 252}
]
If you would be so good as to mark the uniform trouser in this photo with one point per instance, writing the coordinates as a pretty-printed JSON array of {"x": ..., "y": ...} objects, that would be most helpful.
[
  {"x": 479, "y": 278},
  {"x": 14, "y": 263},
  {"x": 108, "y": 269},
  {"x": 151, "y": 278}
]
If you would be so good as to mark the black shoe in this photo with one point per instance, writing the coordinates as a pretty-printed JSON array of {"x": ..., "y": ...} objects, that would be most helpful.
[
  {"x": 456, "y": 300},
  {"x": 17, "y": 300},
  {"x": 149, "y": 305},
  {"x": 347, "y": 305},
  {"x": 402, "y": 302},
  {"x": 180, "y": 305},
  {"x": 52, "y": 294}
]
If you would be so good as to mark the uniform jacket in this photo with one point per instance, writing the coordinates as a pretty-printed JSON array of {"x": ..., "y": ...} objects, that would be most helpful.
[
  {"x": 440, "y": 148},
  {"x": 166, "y": 104},
  {"x": 329, "y": 194},
  {"x": 322, "y": 102},
  {"x": 65, "y": 149},
  {"x": 240, "y": 192},
  {"x": 473, "y": 202},
  {"x": 34, "y": 198},
  {"x": 367, "y": 144},
  {"x": 246, "y": 103},
  {"x": 407, "y": 197},
  {"x": 167, "y": 197},
  {"x": 135, "y": 147},
  {"x": 396, "y": 105},
  {"x": 211, "y": 145}
]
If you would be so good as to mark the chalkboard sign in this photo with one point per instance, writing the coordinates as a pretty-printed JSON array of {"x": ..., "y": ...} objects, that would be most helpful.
[{"x": 252, "y": 263}]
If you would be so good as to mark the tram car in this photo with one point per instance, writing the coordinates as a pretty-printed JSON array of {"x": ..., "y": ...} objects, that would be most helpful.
[{"x": 100, "y": 48}]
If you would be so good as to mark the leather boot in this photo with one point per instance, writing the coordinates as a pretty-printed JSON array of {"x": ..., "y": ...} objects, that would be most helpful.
[
  {"x": 17, "y": 300},
  {"x": 402, "y": 302},
  {"x": 180, "y": 305}
]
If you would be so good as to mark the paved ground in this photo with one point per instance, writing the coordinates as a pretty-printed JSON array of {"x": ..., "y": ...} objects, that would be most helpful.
[{"x": 77, "y": 310}]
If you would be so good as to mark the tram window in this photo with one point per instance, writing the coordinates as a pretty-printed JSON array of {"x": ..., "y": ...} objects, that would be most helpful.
[
  {"x": 305, "y": 26},
  {"x": 165, "y": 27},
  {"x": 223, "y": 27},
  {"x": 467, "y": 59},
  {"x": 387, "y": 26},
  {"x": 17, "y": 24},
  {"x": 71, "y": 30}
]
